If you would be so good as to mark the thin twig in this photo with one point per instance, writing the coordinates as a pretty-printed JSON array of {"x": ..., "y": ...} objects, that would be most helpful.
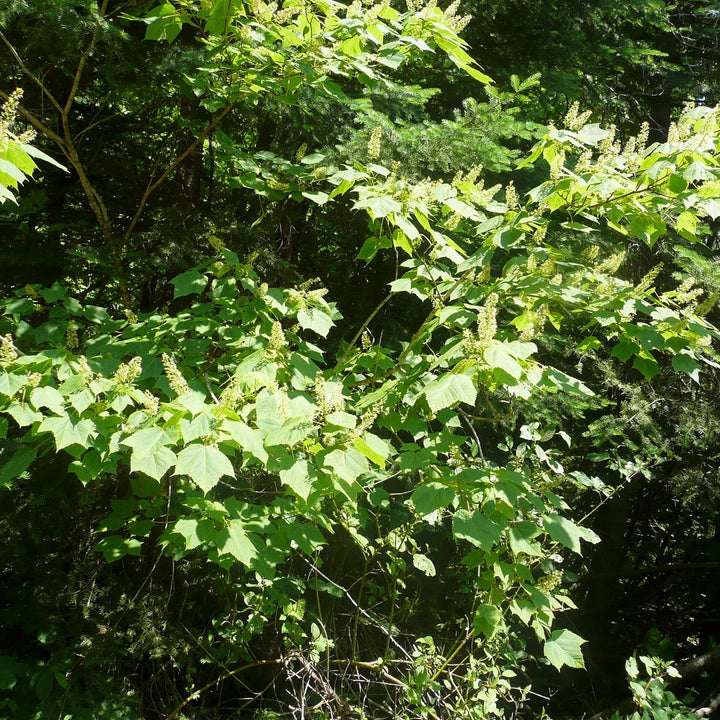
[{"x": 152, "y": 186}]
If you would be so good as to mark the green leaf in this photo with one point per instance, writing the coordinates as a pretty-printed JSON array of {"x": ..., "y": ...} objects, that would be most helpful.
[
  {"x": 564, "y": 648},
  {"x": 88, "y": 466},
  {"x": 317, "y": 197},
  {"x": 567, "y": 382},
  {"x": 156, "y": 464},
  {"x": 646, "y": 365},
  {"x": 487, "y": 619},
  {"x": 297, "y": 478},
  {"x": 685, "y": 362},
  {"x": 189, "y": 283},
  {"x": 424, "y": 564},
  {"x": 10, "y": 383},
  {"x": 476, "y": 529},
  {"x": 147, "y": 442},
  {"x": 347, "y": 466},
  {"x": 625, "y": 349},
  {"x": 204, "y": 465},
  {"x": 432, "y": 496},
  {"x": 17, "y": 465},
  {"x": 306, "y": 536},
  {"x": 66, "y": 432},
  {"x": 163, "y": 23},
  {"x": 292, "y": 431},
  {"x": 115, "y": 547},
  {"x": 315, "y": 320},
  {"x": 190, "y": 529},
  {"x": 47, "y": 396},
  {"x": 521, "y": 536},
  {"x": 373, "y": 448},
  {"x": 497, "y": 356},
  {"x": 686, "y": 224},
  {"x": 564, "y": 531},
  {"x": 449, "y": 389},
  {"x": 235, "y": 541},
  {"x": 378, "y": 207},
  {"x": 249, "y": 439}
]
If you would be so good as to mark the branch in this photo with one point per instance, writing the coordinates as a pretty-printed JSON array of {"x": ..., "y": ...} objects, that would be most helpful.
[
  {"x": 195, "y": 694},
  {"x": 81, "y": 66},
  {"x": 37, "y": 124},
  {"x": 362, "y": 329},
  {"x": 29, "y": 72},
  {"x": 152, "y": 186}
]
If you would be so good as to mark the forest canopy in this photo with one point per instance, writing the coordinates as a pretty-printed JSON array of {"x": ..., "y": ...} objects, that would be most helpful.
[{"x": 359, "y": 360}]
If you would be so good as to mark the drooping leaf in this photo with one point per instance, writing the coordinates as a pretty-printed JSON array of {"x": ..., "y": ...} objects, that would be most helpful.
[
  {"x": 476, "y": 529},
  {"x": 497, "y": 356},
  {"x": 17, "y": 465},
  {"x": 449, "y": 389},
  {"x": 424, "y": 564},
  {"x": 432, "y": 496},
  {"x": 234, "y": 540},
  {"x": 66, "y": 432},
  {"x": 567, "y": 532},
  {"x": 156, "y": 464},
  {"x": 114, "y": 547},
  {"x": 204, "y": 465},
  {"x": 487, "y": 619},
  {"x": 564, "y": 648}
]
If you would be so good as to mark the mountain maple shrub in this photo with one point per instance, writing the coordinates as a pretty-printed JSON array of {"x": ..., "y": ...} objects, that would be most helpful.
[{"x": 387, "y": 556}]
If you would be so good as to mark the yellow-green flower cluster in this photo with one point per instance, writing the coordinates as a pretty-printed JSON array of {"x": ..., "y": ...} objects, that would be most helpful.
[
  {"x": 557, "y": 163},
  {"x": 574, "y": 119},
  {"x": 548, "y": 583},
  {"x": 687, "y": 293},
  {"x": 7, "y": 118},
  {"x": 707, "y": 305},
  {"x": 611, "y": 264},
  {"x": 84, "y": 369},
  {"x": 71, "y": 336},
  {"x": 539, "y": 234},
  {"x": 590, "y": 253},
  {"x": 373, "y": 146},
  {"x": 215, "y": 243},
  {"x": 328, "y": 395},
  {"x": 231, "y": 395},
  {"x": 34, "y": 379},
  {"x": 131, "y": 317},
  {"x": 277, "y": 342},
  {"x": 8, "y": 351},
  {"x": 150, "y": 403},
  {"x": 648, "y": 281},
  {"x": 177, "y": 382},
  {"x": 511, "y": 196},
  {"x": 128, "y": 373},
  {"x": 450, "y": 16},
  {"x": 537, "y": 319},
  {"x": 475, "y": 343},
  {"x": 368, "y": 419}
]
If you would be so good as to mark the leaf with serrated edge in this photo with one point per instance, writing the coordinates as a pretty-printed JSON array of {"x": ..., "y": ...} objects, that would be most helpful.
[
  {"x": 564, "y": 648},
  {"x": 204, "y": 465},
  {"x": 449, "y": 389},
  {"x": 155, "y": 465}
]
